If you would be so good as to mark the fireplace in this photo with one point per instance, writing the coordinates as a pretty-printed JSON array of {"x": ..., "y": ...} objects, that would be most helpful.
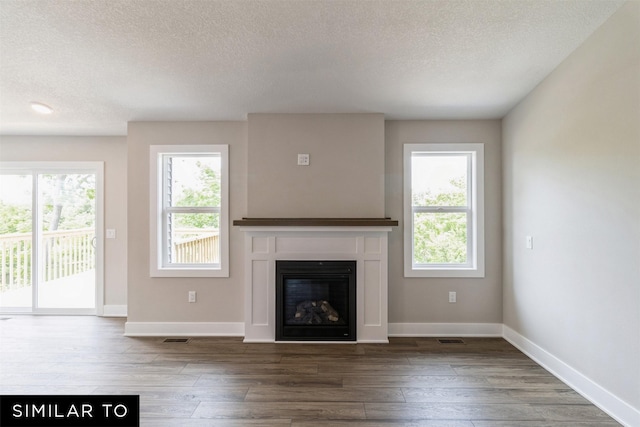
[
  {"x": 361, "y": 241},
  {"x": 315, "y": 300}
]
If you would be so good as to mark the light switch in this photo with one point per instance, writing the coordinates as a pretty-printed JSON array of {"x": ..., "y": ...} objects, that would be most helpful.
[
  {"x": 529, "y": 242},
  {"x": 111, "y": 233}
]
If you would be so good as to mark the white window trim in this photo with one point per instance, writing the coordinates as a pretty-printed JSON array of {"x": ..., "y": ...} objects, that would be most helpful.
[
  {"x": 476, "y": 266},
  {"x": 156, "y": 264}
]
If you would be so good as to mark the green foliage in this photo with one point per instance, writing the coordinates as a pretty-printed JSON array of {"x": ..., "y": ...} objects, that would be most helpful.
[
  {"x": 441, "y": 237},
  {"x": 207, "y": 193},
  {"x": 14, "y": 219},
  {"x": 456, "y": 196}
]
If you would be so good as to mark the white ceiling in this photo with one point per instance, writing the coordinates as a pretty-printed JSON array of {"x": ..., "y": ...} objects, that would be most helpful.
[{"x": 102, "y": 63}]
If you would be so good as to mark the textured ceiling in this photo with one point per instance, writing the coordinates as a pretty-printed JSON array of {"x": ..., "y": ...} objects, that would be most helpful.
[{"x": 102, "y": 63}]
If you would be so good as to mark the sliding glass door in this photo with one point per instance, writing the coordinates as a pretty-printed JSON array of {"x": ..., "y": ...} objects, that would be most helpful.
[{"x": 49, "y": 238}]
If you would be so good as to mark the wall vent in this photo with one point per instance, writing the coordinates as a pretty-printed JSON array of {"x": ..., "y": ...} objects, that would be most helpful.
[
  {"x": 180, "y": 340},
  {"x": 450, "y": 341}
]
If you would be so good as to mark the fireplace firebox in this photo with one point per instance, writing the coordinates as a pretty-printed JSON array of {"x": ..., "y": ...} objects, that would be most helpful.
[{"x": 315, "y": 300}]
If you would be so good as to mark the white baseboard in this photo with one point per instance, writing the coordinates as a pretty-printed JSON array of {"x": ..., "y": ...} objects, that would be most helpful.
[
  {"x": 183, "y": 329},
  {"x": 602, "y": 398},
  {"x": 114, "y": 311},
  {"x": 445, "y": 329}
]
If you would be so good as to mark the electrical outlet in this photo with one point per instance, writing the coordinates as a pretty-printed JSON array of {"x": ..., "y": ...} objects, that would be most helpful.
[
  {"x": 192, "y": 296},
  {"x": 452, "y": 297},
  {"x": 303, "y": 160}
]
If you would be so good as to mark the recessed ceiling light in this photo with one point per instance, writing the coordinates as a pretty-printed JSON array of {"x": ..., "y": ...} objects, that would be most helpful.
[{"x": 41, "y": 108}]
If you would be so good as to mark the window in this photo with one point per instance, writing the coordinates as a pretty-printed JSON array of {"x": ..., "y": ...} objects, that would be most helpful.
[
  {"x": 189, "y": 211},
  {"x": 443, "y": 210}
]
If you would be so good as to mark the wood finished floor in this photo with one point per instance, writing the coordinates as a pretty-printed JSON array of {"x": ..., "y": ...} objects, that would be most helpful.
[{"x": 485, "y": 382}]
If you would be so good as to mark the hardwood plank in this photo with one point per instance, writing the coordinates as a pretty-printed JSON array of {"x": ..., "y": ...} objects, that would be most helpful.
[
  {"x": 371, "y": 423},
  {"x": 356, "y": 359},
  {"x": 526, "y": 382},
  {"x": 571, "y": 413},
  {"x": 545, "y": 424},
  {"x": 294, "y": 410},
  {"x": 502, "y": 370},
  {"x": 46, "y": 389},
  {"x": 326, "y": 394},
  {"x": 122, "y": 368},
  {"x": 194, "y": 422},
  {"x": 131, "y": 379},
  {"x": 452, "y": 411},
  {"x": 348, "y": 369},
  {"x": 562, "y": 396},
  {"x": 469, "y": 359},
  {"x": 168, "y": 409},
  {"x": 457, "y": 395},
  {"x": 214, "y": 358},
  {"x": 492, "y": 395},
  {"x": 305, "y": 349},
  {"x": 179, "y": 394},
  {"x": 270, "y": 380},
  {"x": 263, "y": 369},
  {"x": 413, "y": 381}
]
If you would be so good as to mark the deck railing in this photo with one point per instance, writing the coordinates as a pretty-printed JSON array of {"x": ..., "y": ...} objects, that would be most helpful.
[
  {"x": 65, "y": 253},
  {"x": 69, "y": 252},
  {"x": 203, "y": 248}
]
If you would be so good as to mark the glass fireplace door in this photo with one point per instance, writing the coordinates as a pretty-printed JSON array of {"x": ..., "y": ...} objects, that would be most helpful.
[{"x": 315, "y": 300}]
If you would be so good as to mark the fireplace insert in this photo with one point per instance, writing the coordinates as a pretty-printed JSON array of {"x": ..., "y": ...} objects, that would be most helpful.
[{"x": 315, "y": 300}]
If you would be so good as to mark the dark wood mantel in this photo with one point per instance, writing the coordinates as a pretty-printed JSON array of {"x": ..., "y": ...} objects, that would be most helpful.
[{"x": 315, "y": 222}]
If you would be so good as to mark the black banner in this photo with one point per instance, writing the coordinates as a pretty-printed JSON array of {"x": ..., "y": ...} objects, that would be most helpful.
[{"x": 69, "y": 411}]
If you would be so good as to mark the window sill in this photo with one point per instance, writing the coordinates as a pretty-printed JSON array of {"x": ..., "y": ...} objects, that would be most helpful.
[
  {"x": 188, "y": 272},
  {"x": 444, "y": 273}
]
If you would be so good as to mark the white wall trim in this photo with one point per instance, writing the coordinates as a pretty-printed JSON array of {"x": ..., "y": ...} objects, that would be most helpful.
[
  {"x": 113, "y": 310},
  {"x": 445, "y": 329},
  {"x": 183, "y": 329},
  {"x": 596, "y": 394}
]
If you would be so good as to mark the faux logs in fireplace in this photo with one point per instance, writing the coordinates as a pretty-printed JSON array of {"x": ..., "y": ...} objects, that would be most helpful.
[{"x": 315, "y": 300}]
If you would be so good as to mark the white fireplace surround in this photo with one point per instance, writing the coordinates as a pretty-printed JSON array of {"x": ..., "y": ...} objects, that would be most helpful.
[{"x": 366, "y": 245}]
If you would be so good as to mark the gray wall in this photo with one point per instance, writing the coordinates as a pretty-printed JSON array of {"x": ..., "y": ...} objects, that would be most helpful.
[
  {"x": 112, "y": 150},
  {"x": 425, "y": 300},
  {"x": 165, "y": 299},
  {"x": 271, "y": 143},
  {"x": 345, "y": 177},
  {"x": 572, "y": 181}
]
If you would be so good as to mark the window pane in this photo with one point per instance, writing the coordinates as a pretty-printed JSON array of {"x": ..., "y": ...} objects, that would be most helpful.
[
  {"x": 439, "y": 179},
  {"x": 15, "y": 241},
  {"x": 194, "y": 181},
  {"x": 440, "y": 238},
  {"x": 195, "y": 238},
  {"x": 67, "y": 223}
]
